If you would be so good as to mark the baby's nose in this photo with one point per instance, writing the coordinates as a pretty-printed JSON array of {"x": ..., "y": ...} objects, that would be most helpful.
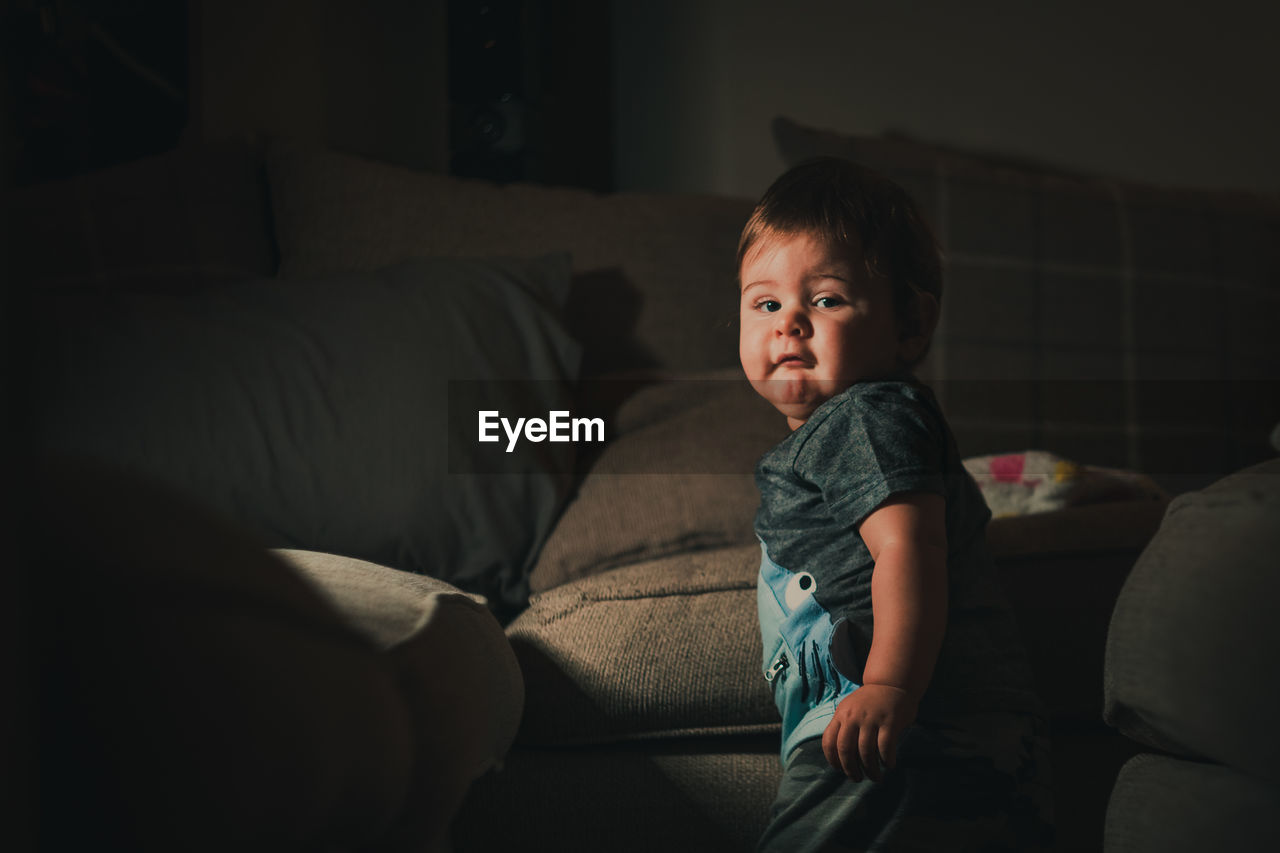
[{"x": 792, "y": 322}]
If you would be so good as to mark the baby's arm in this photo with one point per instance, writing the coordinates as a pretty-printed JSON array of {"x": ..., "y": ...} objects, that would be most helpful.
[{"x": 908, "y": 541}]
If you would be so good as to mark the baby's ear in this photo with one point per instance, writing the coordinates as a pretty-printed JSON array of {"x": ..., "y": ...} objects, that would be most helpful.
[{"x": 915, "y": 338}]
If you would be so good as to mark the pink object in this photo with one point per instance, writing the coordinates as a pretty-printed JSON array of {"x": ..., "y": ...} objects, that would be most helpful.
[{"x": 1008, "y": 469}]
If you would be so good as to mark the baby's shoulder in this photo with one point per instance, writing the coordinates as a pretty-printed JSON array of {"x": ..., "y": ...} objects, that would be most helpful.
[
  {"x": 867, "y": 416},
  {"x": 889, "y": 392},
  {"x": 870, "y": 405}
]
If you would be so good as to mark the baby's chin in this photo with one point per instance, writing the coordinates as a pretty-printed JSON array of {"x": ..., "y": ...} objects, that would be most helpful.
[{"x": 795, "y": 397}]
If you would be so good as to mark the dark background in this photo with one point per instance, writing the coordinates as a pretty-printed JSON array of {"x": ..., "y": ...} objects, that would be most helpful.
[
  {"x": 664, "y": 94},
  {"x": 506, "y": 89}
]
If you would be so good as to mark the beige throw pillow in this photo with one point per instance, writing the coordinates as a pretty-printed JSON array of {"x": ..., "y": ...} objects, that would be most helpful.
[
  {"x": 653, "y": 274},
  {"x": 679, "y": 476}
]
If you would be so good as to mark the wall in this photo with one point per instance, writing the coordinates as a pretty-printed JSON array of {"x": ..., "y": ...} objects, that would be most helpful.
[
  {"x": 373, "y": 76},
  {"x": 1170, "y": 93},
  {"x": 86, "y": 85},
  {"x": 360, "y": 75}
]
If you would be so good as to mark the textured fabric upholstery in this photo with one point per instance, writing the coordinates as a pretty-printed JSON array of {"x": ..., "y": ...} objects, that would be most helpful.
[
  {"x": 684, "y": 794},
  {"x": 1162, "y": 804},
  {"x": 670, "y": 644},
  {"x": 654, "y": 279},
  {"x": 396, "y": 610},
  {"x": 321, "y": 414},
  {"x": 384, "y": 604},
  {"x": 461, "y": 683},
  {"x": 677, "y": 476},
  {"x": 1194, "y": 644},
  {"x": 661, "y": 648},
  {"x": 190, "y": 679}
]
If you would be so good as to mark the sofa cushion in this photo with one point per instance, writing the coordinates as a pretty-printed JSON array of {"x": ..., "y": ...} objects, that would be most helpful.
[
  {"x": 1194, "y": 643},
  {"x": 1082, "y": 313},
  {"x": 654, "y": 281},
  {"x": 665, "y": 648},
  {"x": 459, "y": 677},
  {"x": 1162, "y": 804},
  {"x": 327, "y": 413},
  {"x": 676, "y": 476},
  {"x": 690, "y": 795},
  {"x": 200, "y": 211},
  {"x": 190, "y": 679},
  {"x": 403, "y": 614},
  {"x": 384, "y": 604}
]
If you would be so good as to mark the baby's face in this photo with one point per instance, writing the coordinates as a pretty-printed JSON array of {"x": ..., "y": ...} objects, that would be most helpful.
[{"x": 813, "y": 322}]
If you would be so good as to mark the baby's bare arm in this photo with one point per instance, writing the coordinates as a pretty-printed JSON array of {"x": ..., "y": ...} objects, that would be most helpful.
[{"x": 907, "y": 539}]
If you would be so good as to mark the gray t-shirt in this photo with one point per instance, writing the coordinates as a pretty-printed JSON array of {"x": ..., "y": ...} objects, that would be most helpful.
[{"x": 874, "y": 440}]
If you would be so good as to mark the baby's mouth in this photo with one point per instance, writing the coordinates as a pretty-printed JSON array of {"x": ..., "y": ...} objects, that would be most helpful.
[{"x": 791, "y": 360}]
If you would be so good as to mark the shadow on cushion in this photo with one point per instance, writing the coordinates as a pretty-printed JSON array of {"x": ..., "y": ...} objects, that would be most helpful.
[{"x": 193, "y": 692}]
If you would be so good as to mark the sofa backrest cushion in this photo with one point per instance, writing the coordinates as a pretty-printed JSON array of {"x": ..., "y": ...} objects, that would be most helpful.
[
  {"x": 317, "y": 412},
  {"x": 654, "y": 277},
  {"x": 1111, "y": 322},
  {"x": 1194, "y": 643},
  {"x": 667, "y": 648},
  {"x": 678, "y": 475}
]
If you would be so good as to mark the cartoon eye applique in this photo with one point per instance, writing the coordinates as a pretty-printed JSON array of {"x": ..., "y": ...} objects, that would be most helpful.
[{"x": 799, "y": 589}]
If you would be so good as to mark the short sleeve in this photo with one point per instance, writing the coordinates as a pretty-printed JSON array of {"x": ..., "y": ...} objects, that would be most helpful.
[{"x": 879, "y": 441}]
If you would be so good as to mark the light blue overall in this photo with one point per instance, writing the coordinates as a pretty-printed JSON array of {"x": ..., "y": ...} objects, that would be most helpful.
[{"x": 801, "y": 646}]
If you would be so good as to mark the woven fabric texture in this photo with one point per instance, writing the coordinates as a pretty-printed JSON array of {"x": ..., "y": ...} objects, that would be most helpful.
[
  {"x": 690, "y": 795},
  {"x": 198, "y": 681},
  {"x": 1161, "y": 804},
  {"x": 677, "y": 476},
  {"x": 456, "y": 672},
  {"x": 1194, "y": 644},
  {"x": 654, "y": 277},
  {"x": 657, "y": 649},
  {"x": 385, "y": 604}
]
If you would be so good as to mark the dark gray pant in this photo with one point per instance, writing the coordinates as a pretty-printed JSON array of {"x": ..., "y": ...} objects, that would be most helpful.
[{"x": 977, "y": 782}]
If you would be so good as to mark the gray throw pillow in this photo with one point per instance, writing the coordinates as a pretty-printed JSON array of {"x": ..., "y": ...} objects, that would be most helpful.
[
  {"x": 317, "y": 411},
  {"x": 1194, "y": 644}
]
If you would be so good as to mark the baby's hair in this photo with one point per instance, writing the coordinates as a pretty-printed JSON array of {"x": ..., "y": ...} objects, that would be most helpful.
[{"x": 851, "y": 207}]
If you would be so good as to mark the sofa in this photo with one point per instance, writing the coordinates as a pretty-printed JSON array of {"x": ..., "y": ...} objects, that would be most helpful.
[
  {"x": 294, "y": 344},
  {"x": 1200, "y": 701}
]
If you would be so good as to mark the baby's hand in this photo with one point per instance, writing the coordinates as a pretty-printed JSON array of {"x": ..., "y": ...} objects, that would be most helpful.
[{"x": 863, "y": 735}]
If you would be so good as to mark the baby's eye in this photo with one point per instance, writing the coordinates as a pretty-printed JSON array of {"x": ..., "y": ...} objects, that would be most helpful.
[
  {"x": 828, "y": 301},
  {"x": 769, "y": 305}
]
